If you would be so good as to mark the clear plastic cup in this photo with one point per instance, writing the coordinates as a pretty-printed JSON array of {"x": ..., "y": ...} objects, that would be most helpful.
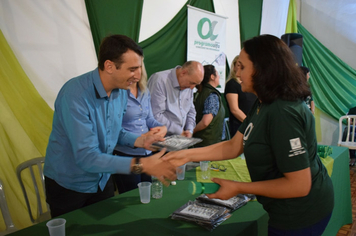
[
  {"x": 56, "y": 227},
  {"x": 205, "y": 170},
  {"x": 180, "y": 172},
  {"x": 145, "y": 191}
]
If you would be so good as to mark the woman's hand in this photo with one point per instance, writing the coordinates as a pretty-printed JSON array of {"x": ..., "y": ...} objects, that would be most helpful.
[
  {"x": 227, "y": 190},
  {"x": 177, "y": 158},
  {"x": 159, "y": 130}
]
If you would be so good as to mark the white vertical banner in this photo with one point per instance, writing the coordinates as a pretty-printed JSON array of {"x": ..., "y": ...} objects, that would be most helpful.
[{"x": 206, "y": 39}]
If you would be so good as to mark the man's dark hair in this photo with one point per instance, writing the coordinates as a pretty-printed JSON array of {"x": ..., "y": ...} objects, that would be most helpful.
[
  {"x": 112, "y": 48},
  {"x": 276, "y": 75}
]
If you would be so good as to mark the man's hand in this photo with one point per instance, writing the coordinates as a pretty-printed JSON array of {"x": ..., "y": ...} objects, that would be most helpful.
[
  {"x": 187, "y": 133},
  {"x": 163, "y": 170},
  {"x": 145, "y": 141},
  {"x": 177, "y": 158}
]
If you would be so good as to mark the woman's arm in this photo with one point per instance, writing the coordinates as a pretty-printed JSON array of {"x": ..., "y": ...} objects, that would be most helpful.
[
  {"x": 204, "y": 122},
  {"x": 293, "y": 184},
  {"x": 233, "y": 102},
  {"x": 220, "y": 151}
]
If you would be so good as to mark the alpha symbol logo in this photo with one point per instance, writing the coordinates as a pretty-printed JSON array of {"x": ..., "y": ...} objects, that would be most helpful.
[{"x": 210, "y": 35}]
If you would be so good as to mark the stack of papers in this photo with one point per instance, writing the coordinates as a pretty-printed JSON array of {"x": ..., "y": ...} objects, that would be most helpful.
[
  {"x": 233, "y": 203},
  {"x": 176, "y": 142},
  {"x": 206, "y": 215},
  {"x": 209, "y": 213}
]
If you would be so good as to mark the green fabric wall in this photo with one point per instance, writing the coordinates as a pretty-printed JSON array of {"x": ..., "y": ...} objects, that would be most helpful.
[{"x": 332, "y": 81}]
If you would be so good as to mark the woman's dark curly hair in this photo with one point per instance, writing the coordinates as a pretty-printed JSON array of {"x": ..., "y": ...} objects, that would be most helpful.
[{"x": 276, "y": 74}]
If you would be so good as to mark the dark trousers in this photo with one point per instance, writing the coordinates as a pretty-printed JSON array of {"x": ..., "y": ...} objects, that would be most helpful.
[
  {"x": 125, "y": 183},
  {"x": 62, "y": 200},
  {"x": 314, "y": 230}
]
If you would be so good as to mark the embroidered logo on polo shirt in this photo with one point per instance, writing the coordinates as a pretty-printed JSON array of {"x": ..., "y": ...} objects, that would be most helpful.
[
  {"x": 296, "y": 147},
  {"x": 247, "y": 132}
]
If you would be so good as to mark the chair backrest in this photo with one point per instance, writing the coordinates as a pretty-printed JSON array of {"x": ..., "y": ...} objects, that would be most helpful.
[
  {"x": 10, "y": 227},
  {"x": 226, "y": 129},
  {"x": 347, "y": 136},
  {"x": 35, "y": 168}
]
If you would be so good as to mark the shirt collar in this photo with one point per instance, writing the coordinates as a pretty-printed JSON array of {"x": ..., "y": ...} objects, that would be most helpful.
[
  {"x": 174, "y": 76},
  {"x": 98, "y": 85}
]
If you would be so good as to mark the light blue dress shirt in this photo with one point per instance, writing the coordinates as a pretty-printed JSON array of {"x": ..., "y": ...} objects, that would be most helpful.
[
  {"x": 86, "y": 128},
  {"x": 138, "y": 119},
  {"x": 171, "y": 106}
]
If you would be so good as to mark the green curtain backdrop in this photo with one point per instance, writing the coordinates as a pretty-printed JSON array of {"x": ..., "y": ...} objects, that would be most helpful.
[
  {"x": 333, "y": 82},
  {"x": 168, "y": 47},
  {"x": 108, "y": 17},
  {"x": 292, "y": 26},
  {"x": 25, "y": 126},
  {"x": 164, "y": 50},
  {"x": 250, "y": 13}
]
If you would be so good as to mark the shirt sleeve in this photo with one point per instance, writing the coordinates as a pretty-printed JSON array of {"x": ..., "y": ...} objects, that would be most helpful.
[
  {"x": 190, "y": 122},
  {"x": 232, "y": 87},
  {"x": 288, "y": 139},
  {"x": 150, "y": 120},
  {"x": 211, "y": 104}
]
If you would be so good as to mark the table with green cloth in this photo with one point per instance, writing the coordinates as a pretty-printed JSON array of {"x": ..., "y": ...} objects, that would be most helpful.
[{"x": 124, "y": 214}]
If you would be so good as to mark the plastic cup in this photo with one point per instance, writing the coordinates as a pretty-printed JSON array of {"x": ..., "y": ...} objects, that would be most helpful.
[
  {"x": 205, "y": 171},
  {"x": 180, "y": 172},
  {"x": 57, "y": 227},
  {"x": 145, "y": 191}
]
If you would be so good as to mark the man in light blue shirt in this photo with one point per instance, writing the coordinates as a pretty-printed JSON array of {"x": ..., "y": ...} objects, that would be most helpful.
[
  {"x": 87, "y": 125},
  {"x": 172, "y": 97}
]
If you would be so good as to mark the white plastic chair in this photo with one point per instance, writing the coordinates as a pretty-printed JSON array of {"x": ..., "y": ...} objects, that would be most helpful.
[
  {"x": 10, "y": 227},
  {"x": 349, "y": 140},
  {"x": 43, "y": 212},
  {"x": 226, "y": 129}
]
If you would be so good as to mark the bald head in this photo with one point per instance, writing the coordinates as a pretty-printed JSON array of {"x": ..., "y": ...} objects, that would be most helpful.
[{"x": 190, "y": 74}]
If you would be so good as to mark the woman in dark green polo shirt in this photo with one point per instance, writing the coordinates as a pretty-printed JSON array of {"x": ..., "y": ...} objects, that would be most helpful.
[{"x": 279, "y": 142}]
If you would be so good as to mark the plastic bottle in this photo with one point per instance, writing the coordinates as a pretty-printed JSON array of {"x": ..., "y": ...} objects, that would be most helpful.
[
  {"x": 199, "y": 188},
  {"x": 157, "y": 188}
]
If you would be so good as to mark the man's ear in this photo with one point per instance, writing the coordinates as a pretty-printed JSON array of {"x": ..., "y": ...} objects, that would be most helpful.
[{"x": 109, "y": 66}]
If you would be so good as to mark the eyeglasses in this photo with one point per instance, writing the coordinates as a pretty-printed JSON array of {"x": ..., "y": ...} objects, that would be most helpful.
[{"x": 216, "y": 167}]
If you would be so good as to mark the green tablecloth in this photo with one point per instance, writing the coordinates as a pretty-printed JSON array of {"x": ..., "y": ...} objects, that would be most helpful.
[{"x": 124, "y": 214}]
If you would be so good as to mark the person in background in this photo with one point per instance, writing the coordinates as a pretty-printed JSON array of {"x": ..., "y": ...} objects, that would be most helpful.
[
  {"x": 138, "y": 119},
  {"x": 172, "y": 97},
  {"x": 279, "y": 142},
  {"x": 87, "y": 125},
  {"x": 209, "y": 108},
  {"x": 309, "y": 100},
  {"x": 238, "y": 102}
]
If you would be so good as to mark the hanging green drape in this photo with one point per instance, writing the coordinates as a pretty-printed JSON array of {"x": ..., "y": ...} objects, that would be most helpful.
[
  {"x": 168, "y": 47},
  {"x": 164, "y": 50},
  {"x": 108, "y": 17},
  {"x": 25, "y": 126},
  {"x": 333, "y": 82},
  {"x": 292, "y": 26},
  {"x": 250, "y": 13}
]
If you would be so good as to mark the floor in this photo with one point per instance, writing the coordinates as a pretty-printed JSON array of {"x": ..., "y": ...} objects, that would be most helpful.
[{"x": 350, "y": 230}]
